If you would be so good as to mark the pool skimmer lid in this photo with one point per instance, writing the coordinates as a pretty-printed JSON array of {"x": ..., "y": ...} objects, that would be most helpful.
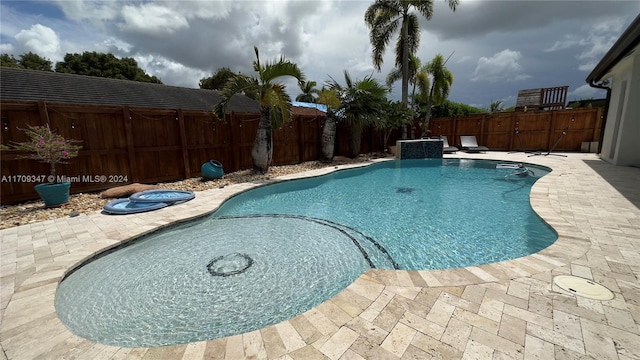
[
  {"x": 230, "y": 264},
  {"x": 583, "y": 287}
]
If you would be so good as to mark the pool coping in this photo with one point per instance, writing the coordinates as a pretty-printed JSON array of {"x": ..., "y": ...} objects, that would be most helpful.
[{"x": 36, "y": 256}]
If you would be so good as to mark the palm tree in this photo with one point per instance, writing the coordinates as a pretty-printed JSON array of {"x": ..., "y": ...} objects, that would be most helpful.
[
  {"x": 309, "y": 92},
  {"x": 361, "y": 102},
  {"x": 396, "y": 74},
  {"x": 275, "y": 103},
  {"x": 394, "y": 115},
  {"x": 440, "y": 84},
  {"x": 384, "y": 18},
  {"x": 496, "y": 106},
  {"x": 328, "y": 97}
]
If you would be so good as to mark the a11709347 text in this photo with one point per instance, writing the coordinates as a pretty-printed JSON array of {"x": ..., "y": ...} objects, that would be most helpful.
[{"x": 65, "y": 178}]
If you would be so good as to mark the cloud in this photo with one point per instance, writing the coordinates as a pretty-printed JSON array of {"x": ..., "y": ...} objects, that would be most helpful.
[
  {"x": 585, "y": 92},
  {"x": 465, "y": 58},
  {"x": 183, "y": 41},
  {"x": 168, "y": 71},
  {"x": 38, "y": 39},
  {"x": 592, "y": 43},
  {"x": 152, "y": 19},
  {"x": 476, "y": 19},
  {"x": 502, "y": 66},
  {"x": 96, "y": 13}
]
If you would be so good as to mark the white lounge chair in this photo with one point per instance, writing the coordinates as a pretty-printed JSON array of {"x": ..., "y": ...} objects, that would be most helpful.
[
  {"x": 446, "y": 148},
  {"x": 470, "y": 144}
]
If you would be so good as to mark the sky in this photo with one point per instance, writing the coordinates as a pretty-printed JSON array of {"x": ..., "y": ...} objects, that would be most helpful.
[{"x": 494, "y": 48}]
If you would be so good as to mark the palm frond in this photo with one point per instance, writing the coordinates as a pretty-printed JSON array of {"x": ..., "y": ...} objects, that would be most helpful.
[
  {"x": 276, "y": 69},
  {"x": 380, "y": 38},
  {"x": 424, "y": 7},
  {"x": 236, "y": 85},
  {"x": 280, "y": 104},
  {"x": 413, "y": 33},
  {"x": 330, "y": 98},
  {"x": 394, "y": 75},
  {"x": 442, "y": 79}
]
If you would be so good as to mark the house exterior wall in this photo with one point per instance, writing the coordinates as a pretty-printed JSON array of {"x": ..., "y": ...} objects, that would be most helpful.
[{"x": 621, "y": 142}]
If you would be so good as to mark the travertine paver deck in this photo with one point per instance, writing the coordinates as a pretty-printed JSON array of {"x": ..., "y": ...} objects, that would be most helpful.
[{"x": 507, "y": 310}]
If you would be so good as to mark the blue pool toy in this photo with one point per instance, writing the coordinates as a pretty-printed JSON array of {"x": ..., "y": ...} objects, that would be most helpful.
[
  {"x": 147, "y": 200},
  {"x": 126, "y": 206},
  {"x": 162, "y": 195}
]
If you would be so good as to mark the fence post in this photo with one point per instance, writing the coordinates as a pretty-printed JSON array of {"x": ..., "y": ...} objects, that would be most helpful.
[
  {"x": 128, "y": 130},
  {"x": 512, "y": 120},
  {"x": 183, "y": 140},
  {"x": 456, "y": 136},
  {"x": 482, "y": 124},
  {"x": 235, "y": 146},
  {"x": 44, "y": 113},
  {"x": 552, "y": 129},
  {"x": 300, "y": 138}
]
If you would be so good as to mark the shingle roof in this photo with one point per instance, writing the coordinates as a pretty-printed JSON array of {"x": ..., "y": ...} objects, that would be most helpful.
[{"x": 30, "y": 85}]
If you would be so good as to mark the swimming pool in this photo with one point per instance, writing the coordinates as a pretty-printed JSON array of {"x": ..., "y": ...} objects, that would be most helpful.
[{"x": 288, "y": 247}]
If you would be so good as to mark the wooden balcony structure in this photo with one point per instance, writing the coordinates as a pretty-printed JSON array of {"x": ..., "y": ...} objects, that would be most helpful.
[{"x": 553, "y": 98}]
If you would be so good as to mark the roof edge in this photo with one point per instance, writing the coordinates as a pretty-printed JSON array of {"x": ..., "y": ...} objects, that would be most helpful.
[{"x": 629, "y": 39}]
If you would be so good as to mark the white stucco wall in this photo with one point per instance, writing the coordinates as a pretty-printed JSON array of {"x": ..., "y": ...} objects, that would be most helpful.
[{"x": 621, "y": 142}]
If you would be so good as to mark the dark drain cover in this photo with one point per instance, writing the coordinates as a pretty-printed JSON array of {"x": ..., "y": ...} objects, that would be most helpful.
[
  {"x": 405, "y": 190},
  {"x": 230, "y": 264}
]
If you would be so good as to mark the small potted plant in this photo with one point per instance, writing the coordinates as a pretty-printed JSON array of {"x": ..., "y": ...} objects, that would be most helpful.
[{"x": 48, "y": 147}]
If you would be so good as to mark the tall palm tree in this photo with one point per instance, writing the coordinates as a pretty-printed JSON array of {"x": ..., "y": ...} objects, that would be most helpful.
[
  {"x": 328, "y": 97},
  {"x": 384, "y": 18},
  {"x": 309, "y": 92},
  {"x": 438, "y": 87},
  {"x": 361, "y": 102},
  {"x": 275, "y": 103},
  {"x": 396, "y": 74}
]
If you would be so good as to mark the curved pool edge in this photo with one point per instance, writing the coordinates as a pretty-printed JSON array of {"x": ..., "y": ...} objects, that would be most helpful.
[{"x": 29, "y": 321}]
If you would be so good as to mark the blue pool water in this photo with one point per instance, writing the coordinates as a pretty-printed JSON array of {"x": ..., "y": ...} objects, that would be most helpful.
[{"x": 273, "y": 252}]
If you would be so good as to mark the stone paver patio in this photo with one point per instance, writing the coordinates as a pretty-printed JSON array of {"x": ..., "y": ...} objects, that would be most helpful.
[{"x": 506, "y": 310}]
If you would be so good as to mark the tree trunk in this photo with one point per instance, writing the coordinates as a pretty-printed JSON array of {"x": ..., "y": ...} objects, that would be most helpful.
[
  {"x": 355, "y": 140},
  {"x": 405, "y": 67},
  {"x": 262, "y": 152},
  {"x": 328, "y": 139},
  {"x": 427, "y": 117}
]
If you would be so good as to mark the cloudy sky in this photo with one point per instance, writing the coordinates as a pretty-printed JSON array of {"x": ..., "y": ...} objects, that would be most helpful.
[{"x": 495, "y": 47}]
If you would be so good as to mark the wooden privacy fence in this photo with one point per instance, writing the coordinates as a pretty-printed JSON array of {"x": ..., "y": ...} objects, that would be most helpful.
[
  {"x": 538, "y": 130},
  {"x": 122, "y": 144}
]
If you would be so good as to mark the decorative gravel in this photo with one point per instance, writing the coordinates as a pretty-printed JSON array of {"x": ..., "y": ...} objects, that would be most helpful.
[{"x": 34, "y": 211}]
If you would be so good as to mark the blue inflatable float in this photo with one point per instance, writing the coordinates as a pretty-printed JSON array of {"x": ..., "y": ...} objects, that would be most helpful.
[
  {"x": 160, "y": 195},
  {"x": 147, "y": 201},
  {"x": 126, "y": 206}
]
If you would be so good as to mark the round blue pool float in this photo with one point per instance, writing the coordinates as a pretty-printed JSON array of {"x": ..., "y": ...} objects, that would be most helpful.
[
  {"x": 161, "y": 195},
  {"x": 126, "y": 206},
  {"x": 212, "y": 169}
]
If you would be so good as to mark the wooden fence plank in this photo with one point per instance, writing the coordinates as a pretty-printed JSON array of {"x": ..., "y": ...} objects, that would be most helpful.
[
  {"x": 133, "y": 165},
  {"x": 184, "y": 144}
]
